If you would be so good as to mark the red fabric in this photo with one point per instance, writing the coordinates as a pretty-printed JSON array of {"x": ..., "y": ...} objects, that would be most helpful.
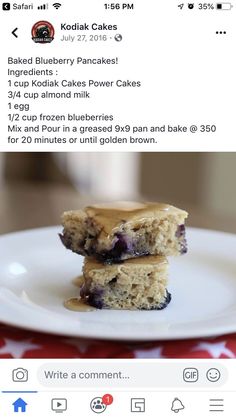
[{"x": 17, "y": 343}]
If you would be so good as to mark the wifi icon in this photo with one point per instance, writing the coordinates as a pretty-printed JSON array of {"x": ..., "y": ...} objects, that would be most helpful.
[{"x": 56, "y": 5}]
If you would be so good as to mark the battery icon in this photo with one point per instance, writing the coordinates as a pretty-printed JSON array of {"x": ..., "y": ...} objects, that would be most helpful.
[{"x": 224, "y": 6}]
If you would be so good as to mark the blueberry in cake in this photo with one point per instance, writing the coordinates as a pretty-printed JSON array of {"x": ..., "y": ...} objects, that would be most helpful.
[{"x": 118, "y": 231}]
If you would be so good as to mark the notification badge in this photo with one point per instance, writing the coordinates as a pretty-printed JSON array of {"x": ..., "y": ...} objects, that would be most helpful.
[{"x": 42, "y": 32}]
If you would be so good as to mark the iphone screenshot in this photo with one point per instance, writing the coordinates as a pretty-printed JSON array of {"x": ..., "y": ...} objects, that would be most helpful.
[{"x": 117, "y": 209}]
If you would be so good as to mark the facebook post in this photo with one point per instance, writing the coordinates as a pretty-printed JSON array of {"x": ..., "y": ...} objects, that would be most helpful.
[{"x": 117, "y": 208}]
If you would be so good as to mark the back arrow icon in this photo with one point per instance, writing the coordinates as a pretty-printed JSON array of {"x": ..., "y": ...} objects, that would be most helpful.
[{"x": 14, "y": 32}]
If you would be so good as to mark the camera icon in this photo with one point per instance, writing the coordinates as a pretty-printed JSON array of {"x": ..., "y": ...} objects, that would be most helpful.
[{"x": 20, "y": 375}]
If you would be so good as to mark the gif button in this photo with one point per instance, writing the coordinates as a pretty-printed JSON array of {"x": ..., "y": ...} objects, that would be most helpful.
[{"x": 190, "y": 375}]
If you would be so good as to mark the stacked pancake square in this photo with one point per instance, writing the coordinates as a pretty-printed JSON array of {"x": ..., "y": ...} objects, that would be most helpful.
[{"x": 126, "y": 245}]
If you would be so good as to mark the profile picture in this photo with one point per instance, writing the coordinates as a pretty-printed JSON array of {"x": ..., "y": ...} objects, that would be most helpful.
[{"x": 42, "y": 32}]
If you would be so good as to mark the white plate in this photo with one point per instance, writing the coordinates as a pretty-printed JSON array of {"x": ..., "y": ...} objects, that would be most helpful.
[{"x": 36, "y": 276}]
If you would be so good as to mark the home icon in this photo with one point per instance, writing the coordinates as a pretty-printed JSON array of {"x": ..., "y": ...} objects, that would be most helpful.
[{"x": 19, "y": 405}]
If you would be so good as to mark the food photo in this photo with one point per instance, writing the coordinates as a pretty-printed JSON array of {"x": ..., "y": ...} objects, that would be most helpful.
[{"x": 118, "y": 255}]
